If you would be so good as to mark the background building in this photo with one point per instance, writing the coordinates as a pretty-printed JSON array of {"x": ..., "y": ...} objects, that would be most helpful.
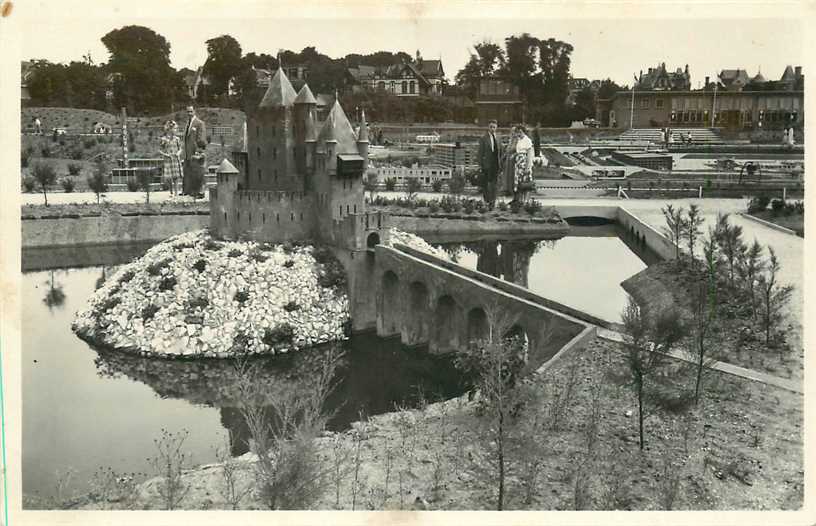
[
  {"x": 405, "y": 79},
  {"x": 500, "y": 100},
  {"x": 427, "y": 174}
]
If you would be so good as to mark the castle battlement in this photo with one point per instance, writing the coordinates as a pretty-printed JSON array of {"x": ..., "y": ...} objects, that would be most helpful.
[{"x": 298, "y": 179}]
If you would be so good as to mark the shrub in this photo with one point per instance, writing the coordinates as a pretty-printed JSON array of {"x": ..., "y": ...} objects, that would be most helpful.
[
  {"x": 212, "y": 245},
  {"x": 45, "y": 151},
  {"x": 291, "y": 307},
  {"x": 468, "y": 206},
  {"x": 333, "y": 276},
  {"x": 433, "y": 207},
  {"x": 257, "y": 255},
  {"x": 758, "y": 204},
  {"x": 127, "y": 276},
  {"x": 436, "y": 186},
  {"x": 799, "y": 207},
  {"x": 149, "y": 311},
  {"x": 502, "y": 206},
  {"x": 235, "y": 253},
  {"x": 288, "y": 263},
  {"x": 456, "y": 185},
  {"x": 68, "y": 184},
  {"x": 77, "y": 154},
  {"x": 283, "y": 334},
  {"x": 790, "y": 208},
  {"x": 154, "y": 269},
  {"x": 46, "y": 176},
  {"x": 200, "y": 265},
  {"x": 390, "y": 184},
  {"x": 74, "y": 168},
  {"x": 515, "y": 206},
  {"x": 532, "y": 207},
  {"x": 89, "y": 143},
  {"x": 198, "y": 301},
  {"x": 777, "y": 205},
  {"x": 412, "y": 187},
  {"x": 132, "y": 185},
  {"x": 167, "y": 283},
  {"x": 241, "y": 296},
  {"x": 29, "y": 183},
  {"x": 24, "y": 157}
]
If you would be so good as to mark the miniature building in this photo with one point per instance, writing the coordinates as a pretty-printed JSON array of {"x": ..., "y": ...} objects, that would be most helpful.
[{"x": 297, "y": 180}]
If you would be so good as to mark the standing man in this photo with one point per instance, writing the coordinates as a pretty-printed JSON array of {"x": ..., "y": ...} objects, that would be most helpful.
[
  {"x": 195, "y": 142},
  {"x": 537, "y": 140},
  {"x": 489, "y": 162},
  {"x": 37, "y": 126}
]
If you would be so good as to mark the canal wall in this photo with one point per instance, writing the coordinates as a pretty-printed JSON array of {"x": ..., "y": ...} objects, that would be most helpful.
[
  {"x": 438, "y": 226},
  {"x": 107, "y": 229}
]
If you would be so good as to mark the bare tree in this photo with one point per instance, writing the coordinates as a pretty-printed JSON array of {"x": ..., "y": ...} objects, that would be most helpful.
[
  {"x": 170, "y": 462},
  {"x": 704, "y": 313},
  {"x": 692, "y": 230},
  {"x": 646, "y": 342},
  {"x": 675, "y": 226},
  {"x": 773, "y": 296},
  {"x": 232, "y": 489}
]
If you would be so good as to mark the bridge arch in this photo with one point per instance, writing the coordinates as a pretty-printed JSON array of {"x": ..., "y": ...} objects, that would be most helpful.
[
  {"x": 388, "y": 316},
  {"x": 447, "y": 323},
  {"x": 372, "y": 240},
  {"x": 477, "y": 325},
  {"x": 415, "y": 329}
]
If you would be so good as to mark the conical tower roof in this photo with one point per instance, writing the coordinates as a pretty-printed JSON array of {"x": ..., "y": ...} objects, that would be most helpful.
[
  {"x": 311, "y": 131},
  {"x": 226, "y": 167},
  {"x": 280, "y": 91},
  {"x": 759, "y": 77},
  {"x": 362, "y": 134},
  {"x": 305, "y": 96},
  {"x": 788, "y": 74},
  {"x": 338, "y": 128}
]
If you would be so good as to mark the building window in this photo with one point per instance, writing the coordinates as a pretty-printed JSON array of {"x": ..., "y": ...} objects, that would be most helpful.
[
  {"x": 412, "y": 87},
  {"x": 404, "y": 87},
  {"x": 381, "y": 86},
  {"x": 659, "y": 103},
  {"x": 644, "y": 104},
  {"x": 393, "y": 87}
]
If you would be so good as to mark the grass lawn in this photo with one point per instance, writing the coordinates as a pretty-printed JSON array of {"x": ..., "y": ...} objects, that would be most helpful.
[{"x": 795, "y": 222}]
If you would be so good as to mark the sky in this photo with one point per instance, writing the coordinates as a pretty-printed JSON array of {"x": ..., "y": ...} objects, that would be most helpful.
[{"x": 615, "y": 44}]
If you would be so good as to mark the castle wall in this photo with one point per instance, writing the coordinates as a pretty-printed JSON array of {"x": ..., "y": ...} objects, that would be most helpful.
[
  {"x": 264, "y": 216},
  {"x": 271, "y": 151}
]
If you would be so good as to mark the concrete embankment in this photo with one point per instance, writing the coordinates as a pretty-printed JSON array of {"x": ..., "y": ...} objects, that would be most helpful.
[{"x": 441, "y": 226}]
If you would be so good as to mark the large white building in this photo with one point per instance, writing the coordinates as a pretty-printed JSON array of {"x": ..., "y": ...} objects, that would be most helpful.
[{"x": 427, "y": 174}]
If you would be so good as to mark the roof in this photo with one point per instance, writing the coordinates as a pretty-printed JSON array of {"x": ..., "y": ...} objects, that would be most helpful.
[
  {"x": 338, "y": 128},
  {"x": 226, "y": 167},
  {"x": 362, "y": 72},
  {"x": 279, "y": 93},
  {"x": 432, "y": 68},
  {"x": 324, "y": 99},
  {"x": 758, "y": 78},
  {"x": 660, "y": 78},
  {"x": 362, "y": 133},
  {"x": 305, "y": 96}
]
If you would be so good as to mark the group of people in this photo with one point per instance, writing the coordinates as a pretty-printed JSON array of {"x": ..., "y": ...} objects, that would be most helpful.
[
  {"x": 184, "y": 159},
  {"x": 506, "y": 170},
  {"x": 668, "y": 137}
]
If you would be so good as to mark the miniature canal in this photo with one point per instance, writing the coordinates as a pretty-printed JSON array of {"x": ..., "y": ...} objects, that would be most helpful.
[{"x": 85, "y": 409}]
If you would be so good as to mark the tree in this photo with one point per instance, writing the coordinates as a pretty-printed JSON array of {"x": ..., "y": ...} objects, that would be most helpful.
[
  {"x": 749, "y": 270},
  {"x": 98, "y": 181},
  {"x": 646, "y": 343},
  {"x": 55, "y": 297},
  {"x": 694, "y": 220},
  {"x": 704, "y": 312},
  {"x": 486, "y": 59},
  {"x": 675, "y": 225},
  {"x": 773, "y": 296},
  {"x": 145, "y": 179},
  {"x": 731, "y": 244},
  {"x": 140, "y": 61},
  {"x": 412, "y": 187},
  {"x": 46, "y": 176},
  {"x": 223, "y": 63}
]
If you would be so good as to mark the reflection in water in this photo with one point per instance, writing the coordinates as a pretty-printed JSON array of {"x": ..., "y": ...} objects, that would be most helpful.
[
  {"x": 508, "y": 260},
  {"x": 373, "y": 375},
  {"x": 54, "y": 297}
]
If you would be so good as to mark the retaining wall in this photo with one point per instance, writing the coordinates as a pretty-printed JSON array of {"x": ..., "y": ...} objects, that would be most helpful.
[
  {"x": 436, "y": 226},
  {"x": 98, "y": 230}
]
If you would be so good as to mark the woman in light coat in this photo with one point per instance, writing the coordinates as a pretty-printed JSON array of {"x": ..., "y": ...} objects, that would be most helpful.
[
  {"x": 523, "y": 183},
  {"x": 170, "y": 150}
]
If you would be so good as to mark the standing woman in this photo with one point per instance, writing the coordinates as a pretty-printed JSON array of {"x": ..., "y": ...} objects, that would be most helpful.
[
  {"x": 524, "y": 154},
  {"x": 170, "y": 149},
  {"x": 509, "y": 173}
]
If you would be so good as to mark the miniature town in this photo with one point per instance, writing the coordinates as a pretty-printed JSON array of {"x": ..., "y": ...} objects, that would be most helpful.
[{"x": 384, "y": 287}]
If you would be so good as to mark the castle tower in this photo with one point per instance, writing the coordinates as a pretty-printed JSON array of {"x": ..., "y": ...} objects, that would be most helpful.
[
  {"x": 362, "y": 141},
  {"x": 340, "y": 167},
  {"x": 271, "y": 141},
  {"x": 305, "y": 104}
]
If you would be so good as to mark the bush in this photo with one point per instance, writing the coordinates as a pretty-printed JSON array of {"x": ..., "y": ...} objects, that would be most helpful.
[
  {"x": 468, "y": 206},
  {"x": 436, "y": 186},
  {"x": 77, "y": 154},
  {"x": 433, "y": 207},
  {"x": 200, "y": 265},
  {"x": 89, "y": 143},
  {"x": 68, "y": 184},
  {"x": 532, "y": 207},
  {"x": 283, "y": 334},
  {"x": 799, "y": 207},
  {"x": 29, "y": 183},
  {"x": 149, "y": 311},
  {"x": 24, "y": 157},
  {"x": 45, "y": 151},
  {"x": 288, "y": 263},
  {"x": 241, "y": 296},
  {"x": 790, "y": 208},
  {"x": 777, "y": 205},
  {"x": 167, "y": 283},
  {"x": 456, "y": 185},
  {"x": 291, "y": 307},
  {"x": 758, "y": 204},
  {"x": 212, "y": 245},
  {"x": 198, "y": 301},
  {"x": 235, "y": 253},
  {"x": 74, "y": 168},
  {"x": 257, "y": 255},
  {"x": 127, "y": 276},
  {"x": 154, "y": 269},
  {"x": 390, "y": 184},
  {"x": 132, "y": 185}
]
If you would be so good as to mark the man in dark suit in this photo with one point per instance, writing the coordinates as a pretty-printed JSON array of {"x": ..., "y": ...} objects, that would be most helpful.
[
  {"x": 489, "y": 162},
  {"x": 195, "y": 144}
]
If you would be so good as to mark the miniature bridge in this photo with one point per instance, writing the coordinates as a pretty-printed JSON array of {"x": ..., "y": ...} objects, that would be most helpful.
[{"x": 427, "y": 300}]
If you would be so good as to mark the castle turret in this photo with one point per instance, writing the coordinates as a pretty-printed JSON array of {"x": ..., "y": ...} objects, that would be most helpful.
[
  {"x": 362, "y": 140},
  {"x": 311, "y": 144},
  {"x": 305, "y": 103},
  {"x": 271, "y": 139}
]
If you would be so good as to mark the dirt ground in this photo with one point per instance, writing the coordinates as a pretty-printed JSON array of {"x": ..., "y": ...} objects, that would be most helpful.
[{"x": 740, "y": 448}]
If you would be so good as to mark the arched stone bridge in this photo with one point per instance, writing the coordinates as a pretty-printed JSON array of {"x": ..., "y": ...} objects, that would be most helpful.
[{"x": 424, "y": 299}]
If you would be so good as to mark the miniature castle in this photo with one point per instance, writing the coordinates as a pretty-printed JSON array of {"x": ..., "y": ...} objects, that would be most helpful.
[{"x": 297, "y": 180}]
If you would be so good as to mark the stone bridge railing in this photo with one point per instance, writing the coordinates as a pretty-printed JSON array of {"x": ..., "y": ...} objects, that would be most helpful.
[{"x": 426, "y": 300}]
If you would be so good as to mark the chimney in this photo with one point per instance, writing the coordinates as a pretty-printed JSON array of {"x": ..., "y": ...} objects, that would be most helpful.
[
  {"x": 798, "y": 71},
  {"x": 705, "y": 86}
]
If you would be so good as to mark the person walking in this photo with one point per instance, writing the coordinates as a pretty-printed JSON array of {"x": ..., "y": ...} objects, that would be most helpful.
[
  {"x": 489, "y": 163},
  {"x": 195, "y": 142},
  {"x": 170, "y": 150},
  {"x": 523, "y": 165}
]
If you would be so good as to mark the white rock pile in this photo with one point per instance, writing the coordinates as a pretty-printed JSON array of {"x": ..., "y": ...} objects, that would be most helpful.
[
  {"x": 169, "y": 303},
  {"x": 415, "y": 242}
]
